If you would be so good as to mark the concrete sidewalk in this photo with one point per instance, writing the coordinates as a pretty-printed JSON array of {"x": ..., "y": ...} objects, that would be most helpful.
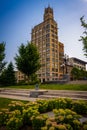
[
  {"x": 24, "y": 94},
  {"x": 18, "y": 97}
]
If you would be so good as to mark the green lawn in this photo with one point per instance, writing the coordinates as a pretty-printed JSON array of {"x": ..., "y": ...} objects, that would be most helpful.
[
  {"x": 79, "y": 87},
  {"x": 65, "y": 87},
  {"x": 5, "y": 101}
]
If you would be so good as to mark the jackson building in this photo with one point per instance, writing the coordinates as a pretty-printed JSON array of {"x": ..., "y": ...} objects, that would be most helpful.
[{"x": 45, "y": 37}]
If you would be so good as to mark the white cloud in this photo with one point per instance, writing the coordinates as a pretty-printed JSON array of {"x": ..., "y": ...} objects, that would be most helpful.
[{"x": 84, "y": 0}]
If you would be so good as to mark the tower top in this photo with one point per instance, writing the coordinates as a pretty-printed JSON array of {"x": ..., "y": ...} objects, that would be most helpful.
[{"x": 48, "y": 13}]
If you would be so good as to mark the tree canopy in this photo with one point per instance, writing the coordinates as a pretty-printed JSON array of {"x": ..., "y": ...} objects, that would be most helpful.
[
  {"x": 27, "y": 59},
  {"x": 84, "y": 37},
  {"x": 2, "y": 56},
  {"x": 78, "y": 73},
  {"x": 8, "y": 75}
]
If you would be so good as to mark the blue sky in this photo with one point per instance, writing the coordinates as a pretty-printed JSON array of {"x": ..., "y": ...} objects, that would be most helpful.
[{"x": 18, "y": 17}]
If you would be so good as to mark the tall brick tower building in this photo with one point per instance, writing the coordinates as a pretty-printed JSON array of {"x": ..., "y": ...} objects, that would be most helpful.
[{"x": 45, "y": 37}]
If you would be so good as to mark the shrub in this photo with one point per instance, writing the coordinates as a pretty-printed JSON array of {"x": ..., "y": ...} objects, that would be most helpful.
[
  {"x": 48, "y": 123},
  {"x": 59, "y": 119},
  {"x": 34, "y": 105},
  {"x": 68, "y": 117},
  {"x": 85, "y": 127},
  {"x": 43, "y": 105},
  {"x": 51, "y": 124},
  {"x": 79, "y": 106},
  {"x": 28, "y": 113},
  {"x": 61, "y": 127},
  {"x": 68, "y": 103},
  {"x": 59, "y": 112},
  {"x": 4, "y": 116},
  {"x": 68, "y": 126},
  {"x": 76, "y": 124},
  {"x": 19, "y": 115},
  {"x": 15, "y": 113},
  {"x": 14, "y": 121},
  {"x": 50, "y": 104},
  {"x": 44, "y": 128},
  {"x": 16, "y": 105},
  {"x": 52, "y": 128},
  {"x": 60, "y": 103},
  {"x": 39, "y": 121}
]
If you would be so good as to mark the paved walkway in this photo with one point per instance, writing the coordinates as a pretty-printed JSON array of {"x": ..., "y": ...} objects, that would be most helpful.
[
  {"x": 78, "y": 82},
  {"x": 24, "y": 94},
  {"x": 18, "y": 97},
  {"x": 15, "y": 94}
]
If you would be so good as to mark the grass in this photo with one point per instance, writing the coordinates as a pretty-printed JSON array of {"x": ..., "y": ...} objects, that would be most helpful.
[
  {"x": 5, "y": 101},
  {"x": 79, "y": 87},
  {"x": 65, "y": 87}
]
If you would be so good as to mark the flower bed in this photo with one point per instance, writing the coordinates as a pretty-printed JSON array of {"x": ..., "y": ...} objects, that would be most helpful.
[{"x": 67, "y": 114}]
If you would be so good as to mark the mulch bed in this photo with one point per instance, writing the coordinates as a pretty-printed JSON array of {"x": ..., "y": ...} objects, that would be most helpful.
[{"x": 23, "y": 128}]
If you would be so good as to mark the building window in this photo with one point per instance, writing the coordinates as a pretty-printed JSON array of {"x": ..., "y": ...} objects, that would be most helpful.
[
  {"x": 39, "y": 75},
  {"x": 47, "y": 74},
  {"x": 53, "y": 65},
  {"x": 47, "y": 35},
  {"x": 47, "y": 39},
  {"x": 53, "y": 69},
  {"x": 53, "y": 54},
  {"x": 47, "y": 49},
  {"x": 47, "y": 59},
  {"x": 47, "y": 44},
  {"x": 56, "y": 74},
  {"x": 47, "y": 31},
  {"x": 53, "y": 49},
  {"x": 56, "y": 60},
  {"x": 48, "y": 64},
  {"x": 43, "y": 74},
  {"x": 52, "y": 26},
  {"x": 56, "y": 70},
  {"x": 48, "y": 69},
  {"x": 53, "y": 40},
  {"x": 47, "y": 26},
  {"x": 53, "y": 45},
  {"x": 56, "y": 65},
  {"x": 53, "y": 59},
  {"x": 43, "y": 65}
]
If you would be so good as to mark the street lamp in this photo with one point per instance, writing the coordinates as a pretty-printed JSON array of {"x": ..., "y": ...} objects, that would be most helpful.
[
  {"x": 62, "y": 66},
  {"x": 66, "y": 60}
]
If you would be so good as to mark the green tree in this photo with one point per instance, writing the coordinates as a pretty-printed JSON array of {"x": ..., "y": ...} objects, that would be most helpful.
[
  {"x": 85, "y": 74},
  {"x": 82, "y": 74},
  {"x": 27, "y": 61},
  {"x": 34, "y": 79},
  {"x": 8, "y": 75},
  {"x": 75, "y": 73},
  {"x": 78, "y": 73},
  {"x": 2, "y": 56},
  {"x": 84, "y": 37}
]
